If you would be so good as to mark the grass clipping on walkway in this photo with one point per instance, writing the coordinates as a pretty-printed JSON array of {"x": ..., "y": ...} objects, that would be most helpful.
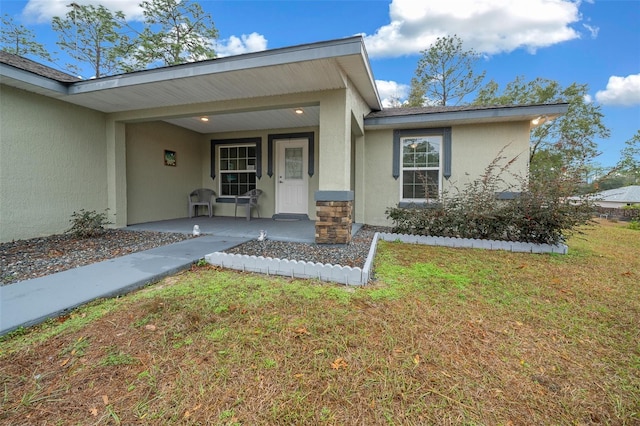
[{"x": 444, "y": 336}]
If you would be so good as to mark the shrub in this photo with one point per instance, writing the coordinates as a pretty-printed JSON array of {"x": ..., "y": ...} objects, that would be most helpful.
[
  {"x": 86, "y": 224},
  {"x": 541, "y": 213},
  {"x": 635, "y": 220}
]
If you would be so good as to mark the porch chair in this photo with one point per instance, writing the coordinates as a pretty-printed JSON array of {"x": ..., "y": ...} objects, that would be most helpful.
[
  {"x": 201, "y": 197},
  {"x": 250, "y": 200}
]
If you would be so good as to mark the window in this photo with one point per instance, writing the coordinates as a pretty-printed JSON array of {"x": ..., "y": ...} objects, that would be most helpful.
[
  {"x": 237, "y": 169},
  {"x": 420, "y": 164},
  {"x": 421, "y": 160}
]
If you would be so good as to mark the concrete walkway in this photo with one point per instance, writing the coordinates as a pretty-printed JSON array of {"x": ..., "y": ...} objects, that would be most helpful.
[{"x": 32, "y": 301}]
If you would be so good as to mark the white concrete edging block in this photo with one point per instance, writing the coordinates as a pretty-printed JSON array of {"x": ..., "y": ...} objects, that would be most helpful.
[
  {"x": 512, "y": 246},
  {"x": 290, "y": 268}
]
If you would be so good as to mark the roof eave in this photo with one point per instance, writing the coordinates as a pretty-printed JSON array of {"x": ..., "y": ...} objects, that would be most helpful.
[
  {"x": 26, "y": 79},
  {"x": 514, "y": 113},
  {"x": 334, "y": 49}
]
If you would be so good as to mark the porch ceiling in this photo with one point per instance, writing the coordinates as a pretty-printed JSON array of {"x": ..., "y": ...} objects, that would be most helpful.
[
  {"x": 251, "y": 120},
  {"x": 214, "y": 87}
]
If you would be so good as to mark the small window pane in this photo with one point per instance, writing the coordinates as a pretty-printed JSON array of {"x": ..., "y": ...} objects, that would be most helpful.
[
  {"x": 407, "y": 160},
  {"x": 434, "y": 159},
  {"x": 293, "y": 163}
]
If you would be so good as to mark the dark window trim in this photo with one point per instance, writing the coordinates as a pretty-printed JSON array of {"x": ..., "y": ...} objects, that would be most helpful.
[
  {"x": 240, "y": 141},
  {"x": 310, "y": 136},
  {"x": 445, "y": 132}
]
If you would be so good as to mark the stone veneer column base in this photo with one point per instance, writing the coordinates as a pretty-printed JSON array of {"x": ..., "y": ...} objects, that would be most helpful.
[{"x": 335, "y": 217}]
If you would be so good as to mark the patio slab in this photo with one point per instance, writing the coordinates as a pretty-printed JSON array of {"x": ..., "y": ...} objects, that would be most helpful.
[{"x": 295, "y": 231}]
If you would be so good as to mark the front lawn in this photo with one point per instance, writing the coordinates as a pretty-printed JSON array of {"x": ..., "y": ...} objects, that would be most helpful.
[{"x": 444, "y": 336}]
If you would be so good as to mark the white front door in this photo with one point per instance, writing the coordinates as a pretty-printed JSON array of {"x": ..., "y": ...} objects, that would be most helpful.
[{"x": 292, "y": 187}]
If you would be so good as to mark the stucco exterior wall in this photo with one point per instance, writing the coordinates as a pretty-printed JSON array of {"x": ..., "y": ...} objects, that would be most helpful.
[
  {"x": 52, "y": 163},
  {"x": 156, "y": 191},
  {"x": 473, "y": 148}
]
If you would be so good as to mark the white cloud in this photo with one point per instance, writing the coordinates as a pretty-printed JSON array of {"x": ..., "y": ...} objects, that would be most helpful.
[
  {"x": 489, "y": 26},
  {"x": 622, "y": 91},
  {"x": 253, "y": 42},
  {"x": 392, "y": 93},
  {"x": 592, "y": 30},
  {"x": 44, "y": 10}
]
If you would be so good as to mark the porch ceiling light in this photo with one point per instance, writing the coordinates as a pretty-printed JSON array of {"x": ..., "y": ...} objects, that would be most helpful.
[
  {"x": 299, "y": 111},
  {"x": 205, "y": 119}
]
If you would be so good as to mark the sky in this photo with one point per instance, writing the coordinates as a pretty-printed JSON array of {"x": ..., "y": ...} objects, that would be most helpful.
[{"x": 592, "y": 42}]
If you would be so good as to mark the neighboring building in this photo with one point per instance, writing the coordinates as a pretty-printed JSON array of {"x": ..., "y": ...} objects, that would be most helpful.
[
  {"x": 618, "y": 198},
  {"x": 305, "y": 124}
]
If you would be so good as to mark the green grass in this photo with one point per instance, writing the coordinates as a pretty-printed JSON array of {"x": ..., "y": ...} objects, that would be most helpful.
[{"x": 443, "y": 336}]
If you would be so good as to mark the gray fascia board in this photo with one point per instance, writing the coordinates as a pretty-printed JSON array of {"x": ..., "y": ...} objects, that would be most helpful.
[
  {"x": 309, "y": 52},
  {"x": 7, "y": 71},
  {"x": 525, "y": 112},
  {"x": 370, "y": 76}
]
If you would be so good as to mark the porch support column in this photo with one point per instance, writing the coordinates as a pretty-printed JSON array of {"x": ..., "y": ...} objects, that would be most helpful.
[
  {"x": 334, "y": 198},
  {"x": 116, "y": 173}
]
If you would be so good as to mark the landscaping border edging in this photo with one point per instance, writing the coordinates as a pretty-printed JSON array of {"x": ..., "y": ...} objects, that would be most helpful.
[
  {"x": 513, "y": 246},
  {"x": 298, "y": 269},
  {"x": 360, "y": 276}
]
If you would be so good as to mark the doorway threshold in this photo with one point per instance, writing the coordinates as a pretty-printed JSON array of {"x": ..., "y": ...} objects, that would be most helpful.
[{"x": 289, "y": 217}]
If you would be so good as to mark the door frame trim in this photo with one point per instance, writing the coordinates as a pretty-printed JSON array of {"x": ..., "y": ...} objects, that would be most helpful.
[
  {"x": 310, "y": 136},
  {"x": 277, "y": 182}
]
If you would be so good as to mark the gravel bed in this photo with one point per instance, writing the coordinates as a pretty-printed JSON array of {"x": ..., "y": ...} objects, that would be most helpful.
[
  {"x": 353, "y": 254},
  {"x": 25, "y": 259}
]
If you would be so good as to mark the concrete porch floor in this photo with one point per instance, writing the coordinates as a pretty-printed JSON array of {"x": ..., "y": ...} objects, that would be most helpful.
[{"x": 297, "y": 231}]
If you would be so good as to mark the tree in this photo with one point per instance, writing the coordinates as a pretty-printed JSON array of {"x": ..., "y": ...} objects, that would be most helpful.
[
  {"x": 445, "y": 74},
  {"x": 416, "y": 94},
  {"x": 21, "y": 41},
  {"x": 569, "y": 140},
  {"x": 629, "y": 163},
  {"x": 175, "y": 32},
  {"x": 92, "y": 35}
]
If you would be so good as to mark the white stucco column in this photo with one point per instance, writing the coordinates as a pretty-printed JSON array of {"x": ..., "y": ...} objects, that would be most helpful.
[
  {"x": 116, "y": 173},
  {"x": 334, "y": 143}
]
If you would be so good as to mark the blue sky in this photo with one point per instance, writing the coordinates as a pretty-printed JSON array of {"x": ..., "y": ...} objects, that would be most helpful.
[{"x": 589, "y": 42}]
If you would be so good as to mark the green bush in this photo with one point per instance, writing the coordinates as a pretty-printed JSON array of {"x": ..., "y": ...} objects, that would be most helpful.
[
  {"x": 541, "y": 213},
  {"x": 635, "y": 221},
  {"x": 86, "y": 224}
]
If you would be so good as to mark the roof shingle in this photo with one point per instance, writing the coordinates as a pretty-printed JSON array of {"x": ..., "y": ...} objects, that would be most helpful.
[{"x": 36, "y": 68}]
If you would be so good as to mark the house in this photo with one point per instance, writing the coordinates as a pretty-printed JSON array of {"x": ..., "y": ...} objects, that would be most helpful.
[
  {"x": 305, "y": 124},
  {"x": 618, "y": 198}
]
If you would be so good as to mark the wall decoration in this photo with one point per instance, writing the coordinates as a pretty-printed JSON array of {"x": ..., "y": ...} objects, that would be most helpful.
[{"x": 169, "y": 158}]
